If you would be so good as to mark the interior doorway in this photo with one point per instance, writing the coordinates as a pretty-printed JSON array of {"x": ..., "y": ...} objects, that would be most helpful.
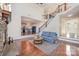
[
  {"x": 33, "y": 29},
  {"x": 29, "y": 25},
  {"x": 69, "y": 27}
]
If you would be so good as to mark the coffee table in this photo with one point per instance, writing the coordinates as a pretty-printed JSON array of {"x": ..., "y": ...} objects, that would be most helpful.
[{"x": 38, "y": 41}]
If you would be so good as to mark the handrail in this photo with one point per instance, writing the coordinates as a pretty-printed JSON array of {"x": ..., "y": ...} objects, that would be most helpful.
[
  {"x": 53, "y": 14},
  {"x": 45, "y": 24},
  {"x": 62, "y": 7}
]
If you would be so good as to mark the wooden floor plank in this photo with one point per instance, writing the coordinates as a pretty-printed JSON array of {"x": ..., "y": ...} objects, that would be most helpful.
[{"x": 29, "y": 49}]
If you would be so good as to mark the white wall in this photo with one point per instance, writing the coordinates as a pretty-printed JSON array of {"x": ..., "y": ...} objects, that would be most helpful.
[
  {"x": 54, "y": 25},
  {"x": 29, "y": 10},
  {"x": 18, "y": 10}
]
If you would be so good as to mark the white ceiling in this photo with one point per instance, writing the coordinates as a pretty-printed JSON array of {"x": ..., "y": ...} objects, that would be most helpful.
[
  {"x": 74, "y": 12},
  {"x": 48, "y": 7},
  {"x": 28, "y": 19}
]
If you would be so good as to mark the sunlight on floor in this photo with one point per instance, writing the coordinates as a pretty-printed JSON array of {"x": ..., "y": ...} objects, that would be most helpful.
[{"x": 68, "y": 51}]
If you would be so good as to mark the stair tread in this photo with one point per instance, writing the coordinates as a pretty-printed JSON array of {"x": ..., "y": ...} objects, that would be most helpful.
[
  {"x": 1, "y": 45},
  {"x": 0, "y": 53},
  {"x": 1, "y": 49},
  {"x": 1, "y": 41}
]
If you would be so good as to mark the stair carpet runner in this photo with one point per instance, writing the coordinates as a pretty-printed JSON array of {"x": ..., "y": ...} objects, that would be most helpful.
[{"x": 1, "y": 47}]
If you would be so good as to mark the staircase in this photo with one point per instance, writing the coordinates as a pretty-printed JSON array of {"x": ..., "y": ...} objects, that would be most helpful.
[
  {"x": 1, "y": 47},
  {"x": 2, "y": 37},
  {"x": 53, "y": 23},
  {"x": 50, "y": 16},
  {"x": 5, "y": 17},
  {"x": 1, "y": 40}
]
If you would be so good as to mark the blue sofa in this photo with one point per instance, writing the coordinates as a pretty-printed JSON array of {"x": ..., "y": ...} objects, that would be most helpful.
[{"x": 50, "y": 37}]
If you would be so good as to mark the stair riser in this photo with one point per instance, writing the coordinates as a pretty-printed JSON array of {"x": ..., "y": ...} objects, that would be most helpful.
[
  {"x": 0, "y": 54},
  {"x": 1, "y": 43},
  {"x": 1, "y": 50},
  {"x": 1, "y": 47},
  {"x": 1, "y": 39}
]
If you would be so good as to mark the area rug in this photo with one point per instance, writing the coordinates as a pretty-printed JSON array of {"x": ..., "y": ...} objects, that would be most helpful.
[{"x": 46, "y": 47}]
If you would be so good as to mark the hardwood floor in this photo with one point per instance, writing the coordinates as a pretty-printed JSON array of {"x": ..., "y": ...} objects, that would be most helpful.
[
  {"x": 59, "y": 51},
  {"x": 63, "y": 50},
  {"x": 29, "y": 49}
]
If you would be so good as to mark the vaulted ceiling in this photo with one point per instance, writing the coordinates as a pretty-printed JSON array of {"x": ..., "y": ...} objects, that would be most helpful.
[{"x": 48, "y": 7}]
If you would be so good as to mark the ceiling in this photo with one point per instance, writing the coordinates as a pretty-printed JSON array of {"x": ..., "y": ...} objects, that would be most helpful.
[
  {"x": 26, "y": 20},
  {"x": 74, "y": 12},
  {"x": 48, "y": 7}
]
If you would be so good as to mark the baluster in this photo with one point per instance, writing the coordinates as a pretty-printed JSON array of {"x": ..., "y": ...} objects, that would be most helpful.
[
  {"x": 58, "y": 8},
  {"x": 65, "y": 6}
]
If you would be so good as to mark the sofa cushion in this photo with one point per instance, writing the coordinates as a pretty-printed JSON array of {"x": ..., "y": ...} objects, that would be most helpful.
[
  {"x": 52, "y": 34},
  {"x": 49, "y": 36},
  {"x": 45, "y": 33}
]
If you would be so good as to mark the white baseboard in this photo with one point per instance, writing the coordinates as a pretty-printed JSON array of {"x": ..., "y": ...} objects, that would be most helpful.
[
  {"x": 72, "y": 40},
  {"x": 21, "y": 37}
]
